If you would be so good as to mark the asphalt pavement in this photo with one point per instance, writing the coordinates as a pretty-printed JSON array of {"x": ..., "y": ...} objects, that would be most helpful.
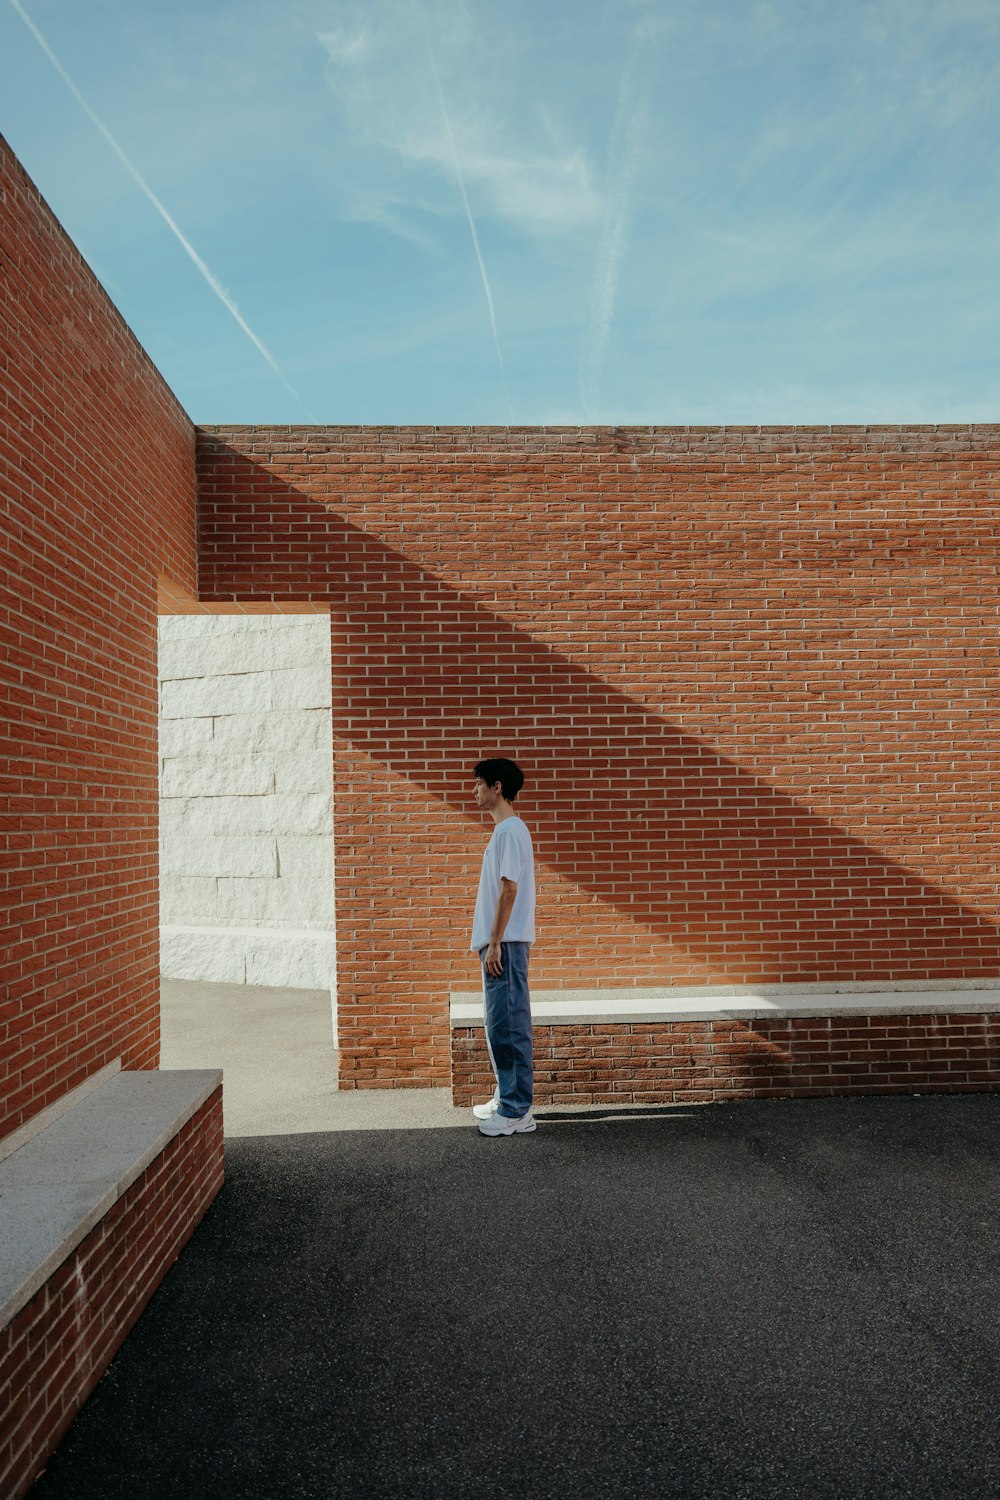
[{"x": 762, "y": 1299}]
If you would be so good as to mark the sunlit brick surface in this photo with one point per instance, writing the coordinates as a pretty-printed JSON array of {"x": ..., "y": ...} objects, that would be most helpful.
[{"x": 750, "y": 674}]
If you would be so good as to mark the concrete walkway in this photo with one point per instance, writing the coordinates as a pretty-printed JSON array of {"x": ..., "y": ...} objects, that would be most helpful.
[
  {"x": 276, "y": 1049},
  {"x": 751, "y": 1300}
]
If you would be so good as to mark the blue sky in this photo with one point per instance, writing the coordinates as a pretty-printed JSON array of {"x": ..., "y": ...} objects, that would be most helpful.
[{"x": 635, "y": 211}]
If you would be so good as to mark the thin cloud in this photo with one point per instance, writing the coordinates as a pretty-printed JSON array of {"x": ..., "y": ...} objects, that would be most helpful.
[
  {"x": 624, "y": 153},
  {"x": 371, "y": 74},
  {"x": 212, "y": 280},
  {"x": 472, "y": 223},
  {"x": 343, "y": 48},
  {"x": 543, "y": 193},
  {"x": 372, "y": 208}
]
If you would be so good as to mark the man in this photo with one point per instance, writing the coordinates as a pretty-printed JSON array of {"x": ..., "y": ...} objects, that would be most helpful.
[{"x": 503, "y": 930}]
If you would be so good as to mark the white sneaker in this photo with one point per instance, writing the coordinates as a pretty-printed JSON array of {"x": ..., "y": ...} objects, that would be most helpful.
[
  {"x": 508, "y": 1125},
  {"x": 488, "y": 1110}
]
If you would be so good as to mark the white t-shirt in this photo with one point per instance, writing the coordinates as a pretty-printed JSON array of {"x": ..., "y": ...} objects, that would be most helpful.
[{"x": 509, "y": 854}]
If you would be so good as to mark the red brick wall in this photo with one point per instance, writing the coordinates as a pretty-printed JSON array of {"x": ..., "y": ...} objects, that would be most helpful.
[
  {"x": 97, "y": 474},
  {"x": 56, "y": 1349},
  {"x": 750, "y": 674},
  {"x": 700, "y": 1062}
]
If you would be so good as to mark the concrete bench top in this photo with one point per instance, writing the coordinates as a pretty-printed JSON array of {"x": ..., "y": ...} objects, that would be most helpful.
[
  {"x": 739, "y": 1003},
  {"x": 63, "y": 1179}
]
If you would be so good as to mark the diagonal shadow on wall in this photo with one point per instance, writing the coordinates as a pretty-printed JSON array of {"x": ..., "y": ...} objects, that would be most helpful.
[{"x": 624, "y": 804}]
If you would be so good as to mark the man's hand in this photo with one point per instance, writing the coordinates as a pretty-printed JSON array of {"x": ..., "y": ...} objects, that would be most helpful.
[{"x": 508, "y": 890}]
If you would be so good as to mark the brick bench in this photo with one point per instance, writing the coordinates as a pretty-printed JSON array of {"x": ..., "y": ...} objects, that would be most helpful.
[
  {"x": 97, "y": 1198},
  {"x": 700, "y": 1045}
]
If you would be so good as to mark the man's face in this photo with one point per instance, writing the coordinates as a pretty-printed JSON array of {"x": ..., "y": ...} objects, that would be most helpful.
[{"x": 486, "y": 797}]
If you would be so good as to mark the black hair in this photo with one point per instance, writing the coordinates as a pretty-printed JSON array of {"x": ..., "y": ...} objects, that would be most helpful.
[{"x": 509, "y": 775}]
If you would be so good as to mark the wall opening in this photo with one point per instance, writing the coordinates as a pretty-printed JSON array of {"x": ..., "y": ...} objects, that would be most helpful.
[{"x": 248, "y": 955}]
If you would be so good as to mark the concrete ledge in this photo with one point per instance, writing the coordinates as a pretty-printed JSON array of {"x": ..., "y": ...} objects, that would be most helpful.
[
  {"x": 741, "y": 1003},
  {"x": 63, "y": 1180},
  {"x": 46, "y": 1117}
]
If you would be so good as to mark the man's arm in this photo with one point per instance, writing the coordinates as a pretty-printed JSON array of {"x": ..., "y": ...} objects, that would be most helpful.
[{"x": 505, "y": 905}]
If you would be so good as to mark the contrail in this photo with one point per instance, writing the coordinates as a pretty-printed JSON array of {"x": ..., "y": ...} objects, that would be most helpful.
[
  {"x": 626, "y": 135},
  {"x": 472, "y": 222},
  {"x": 213, "y": 281}
]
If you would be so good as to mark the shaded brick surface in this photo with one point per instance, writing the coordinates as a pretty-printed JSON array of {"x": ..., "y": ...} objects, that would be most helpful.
[
  {"x": 98, "y": 482},
  {"x": 748, "y": 671},
  {"x": 678, "y": 1062},
  {"x": 97, "y": 476}
]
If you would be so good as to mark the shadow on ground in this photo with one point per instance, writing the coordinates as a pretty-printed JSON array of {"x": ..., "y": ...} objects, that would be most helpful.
[{"x": 753, "y": 1300}]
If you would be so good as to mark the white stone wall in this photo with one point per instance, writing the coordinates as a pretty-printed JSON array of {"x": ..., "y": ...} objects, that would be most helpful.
[{"x": 246, "y": 799}]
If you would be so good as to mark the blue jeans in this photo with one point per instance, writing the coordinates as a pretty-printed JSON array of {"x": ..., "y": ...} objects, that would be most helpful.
[{"x": 508, "y": 1028}]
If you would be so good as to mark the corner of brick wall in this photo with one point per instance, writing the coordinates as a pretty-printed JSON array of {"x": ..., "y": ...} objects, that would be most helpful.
[{"x": 97, "y": 474}]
